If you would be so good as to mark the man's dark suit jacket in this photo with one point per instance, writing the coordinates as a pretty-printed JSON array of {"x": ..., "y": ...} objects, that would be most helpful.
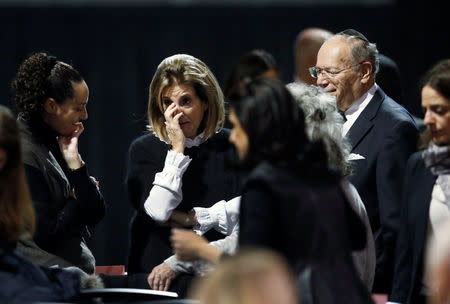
[
  {"x": 385, "y": 135},
  {"x": 409, "y": 255}
]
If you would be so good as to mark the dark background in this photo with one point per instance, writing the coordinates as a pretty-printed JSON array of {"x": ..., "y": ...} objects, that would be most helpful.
[{"x": 117, "y": 50}]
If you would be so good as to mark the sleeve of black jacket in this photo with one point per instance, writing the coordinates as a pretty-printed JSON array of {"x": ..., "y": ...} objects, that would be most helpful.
[{"x": 56, "y": 223}]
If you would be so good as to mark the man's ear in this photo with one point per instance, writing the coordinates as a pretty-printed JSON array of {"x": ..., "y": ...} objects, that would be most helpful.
[
  {"x": 50, "y": 106},
  {"x": 366, "y": 71},
  {"x": 3, "y": 158}
]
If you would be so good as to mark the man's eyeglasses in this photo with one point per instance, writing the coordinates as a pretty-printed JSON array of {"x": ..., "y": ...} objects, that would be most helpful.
[{"x": 315, "y": 71}]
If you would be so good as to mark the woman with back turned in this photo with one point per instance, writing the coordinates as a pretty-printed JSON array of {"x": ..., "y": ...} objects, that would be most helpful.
[{"x": 292, "y": 202}]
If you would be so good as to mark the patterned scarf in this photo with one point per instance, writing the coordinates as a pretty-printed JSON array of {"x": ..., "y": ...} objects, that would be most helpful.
[{"x": 437, "y": 159}]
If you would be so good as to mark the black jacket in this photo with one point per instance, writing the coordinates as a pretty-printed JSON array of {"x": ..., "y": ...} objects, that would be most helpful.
[
  {"x": 302, "y": 214},
  {"x": 385, "y": 135},
  {"x": 409, "y": 261},
  {"x": 208, "y": 179},
  {"x": 63, "y": 222},
  {"x": 23, "y": 282}
]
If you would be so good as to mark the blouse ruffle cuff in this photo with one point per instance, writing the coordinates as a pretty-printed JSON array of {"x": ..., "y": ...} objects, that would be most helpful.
[
  {"x": 178, "y": 266},
  {"x": 212, "y": 217},
  {"x": 175, "y": 160},
  {"x": 174, "y": 167}
]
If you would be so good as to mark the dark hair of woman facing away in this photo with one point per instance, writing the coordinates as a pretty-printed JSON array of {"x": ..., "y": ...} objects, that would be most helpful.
[
  {"x": 249, "y": 66},
  {"x": 275, "y": 126},
  {"x": 16, "y": 211},
  {"x": 40, "y": 77}
]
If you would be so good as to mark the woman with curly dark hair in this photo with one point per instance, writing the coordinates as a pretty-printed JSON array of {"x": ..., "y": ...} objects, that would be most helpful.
[{"x": 52, "y": 98}]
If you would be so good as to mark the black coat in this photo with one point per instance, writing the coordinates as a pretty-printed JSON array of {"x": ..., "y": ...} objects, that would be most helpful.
[
  {"x": 417, "y": 189},
  {"x": 23, "y": 282},
  {"x": 62, "y": 222},
  {"x": 208, "y": 179},
  {"x": 304, "y": 216},
  {"x": 385, "y": 135}
]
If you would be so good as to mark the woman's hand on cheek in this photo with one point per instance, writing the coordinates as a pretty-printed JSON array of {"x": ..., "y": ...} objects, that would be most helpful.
[
  {"x": 69, "y": 147},
  {"x": 173, "y": 128}
]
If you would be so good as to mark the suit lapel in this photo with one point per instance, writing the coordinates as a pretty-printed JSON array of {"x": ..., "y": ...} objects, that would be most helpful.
[
  {"x": 363, "y": 123},
  {"x": 357, "y": 132}
]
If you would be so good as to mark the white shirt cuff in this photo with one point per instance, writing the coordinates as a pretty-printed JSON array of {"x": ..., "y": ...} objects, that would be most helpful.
[
  {"x": 212, "y": 217},
  {"x": 166, "y": 193},
  {"x": 176, "y": 161},
  {"x": 174, "y": 167}
]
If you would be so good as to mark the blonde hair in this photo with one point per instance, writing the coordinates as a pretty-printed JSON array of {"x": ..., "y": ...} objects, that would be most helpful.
[
  {"x": 16, "y": 211},
  {"x": 187, "y": 70},
  {"x": 243, "y": 279}
]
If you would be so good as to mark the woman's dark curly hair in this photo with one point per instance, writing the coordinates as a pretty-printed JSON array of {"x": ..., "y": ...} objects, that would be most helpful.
[
  {"x": 41, "y": 77},
  {"x": 275, "y": 125}
]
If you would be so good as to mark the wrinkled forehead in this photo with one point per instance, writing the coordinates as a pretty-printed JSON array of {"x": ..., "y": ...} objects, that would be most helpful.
[
  {"x": 171, "y": 86},
  {"x": 335, "y": 52}
]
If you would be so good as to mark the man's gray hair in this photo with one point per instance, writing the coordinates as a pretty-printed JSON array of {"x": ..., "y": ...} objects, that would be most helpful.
[
  {"x": 363, "y": 50},
  {"x": 323, "y": 122}
]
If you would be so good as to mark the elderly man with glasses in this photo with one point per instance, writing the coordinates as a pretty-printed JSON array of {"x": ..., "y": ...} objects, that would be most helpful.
[{"x": 382, "y": 134}]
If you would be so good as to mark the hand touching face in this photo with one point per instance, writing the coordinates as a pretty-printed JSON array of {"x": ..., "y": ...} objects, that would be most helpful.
[
  {"x": 184, "y": 108},
  {"x": 65, "y": 117}
]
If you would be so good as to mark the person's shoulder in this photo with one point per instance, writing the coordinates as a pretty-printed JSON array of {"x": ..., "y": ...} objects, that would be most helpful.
[
  {"x": 395, "y": 122},
  {"x": 26, "y": 137},
  {"x": 263, "y": 178},
  {"x": 220, "y": 140},
  {"x": 395, "y": 112},
  {"x": 270, "y": 174},
  {"x": 417, "y": 173},
  {"x": 147, "y": 142},
  {"x": 34, "y": 153},
  {"x": 222, "y": 135},
  {"x": 149, "y": 138},
  {"x": 416, "y": 168},
  {"x": 415, "y": 161}
]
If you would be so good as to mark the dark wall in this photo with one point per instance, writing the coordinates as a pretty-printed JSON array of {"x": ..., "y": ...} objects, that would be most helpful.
[{"x": 118, "y": 49}]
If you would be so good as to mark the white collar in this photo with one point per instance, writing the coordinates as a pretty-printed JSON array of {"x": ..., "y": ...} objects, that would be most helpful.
[
  {"x": 194, "y": 142},
  {"x": 362, "y": 102},
  {"x": 355, "y": 110}
]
